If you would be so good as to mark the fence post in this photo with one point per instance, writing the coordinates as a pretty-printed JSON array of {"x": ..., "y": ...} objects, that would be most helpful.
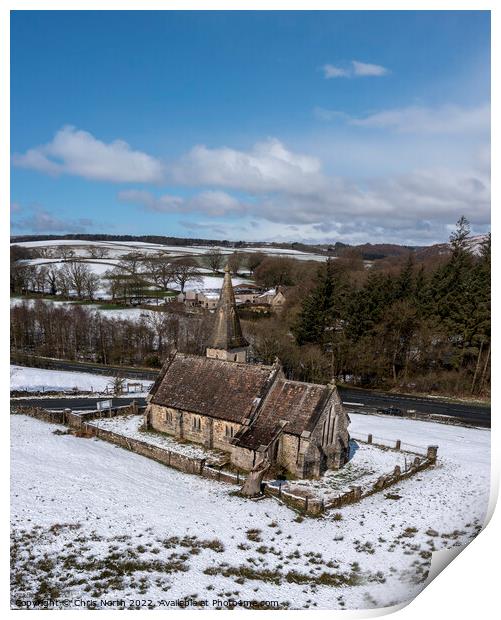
[
  {"x": 369, "y": 438},
  {"x": 65, "y": 415},
  {"x": 398, "y": 444}
]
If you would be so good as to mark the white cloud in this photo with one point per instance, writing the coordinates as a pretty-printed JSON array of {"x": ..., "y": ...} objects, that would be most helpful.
[
  {"x": 268, "y": 167},
  {"x": 79, "y": 153},
  {"x": 162, "y": 204},
  {"x": 211, "y": 202},
  {"x": 367, "y": 69},
  {"x": 42, "y": 221},
  {"x": 290, "y": 189},
  {"x": 330, "y": 71},
  {"x": 355, "y": 69},
  {"x": 417, "y": 119}
]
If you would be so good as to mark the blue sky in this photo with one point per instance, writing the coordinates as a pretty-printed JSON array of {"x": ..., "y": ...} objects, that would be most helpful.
[{"x": 316, "y": 126}]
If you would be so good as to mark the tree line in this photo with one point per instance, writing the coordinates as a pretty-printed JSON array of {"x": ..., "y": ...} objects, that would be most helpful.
[
  {"x": 419, "y": 328},
  {"x": 76, "y": 332}
]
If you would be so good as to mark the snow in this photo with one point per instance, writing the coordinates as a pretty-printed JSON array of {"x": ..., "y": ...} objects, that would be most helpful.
[
  {"x": 121, "y": 247},
  {"x": 120, "y": 503},
  {"x": 210, "y": 282},
  {"x": 366, "y": 465},
  {"x": 27, "y": 379},
  {"x": 129, "y": 425}
]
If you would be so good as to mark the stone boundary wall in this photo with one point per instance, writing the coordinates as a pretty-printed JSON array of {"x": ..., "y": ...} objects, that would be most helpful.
[
  {"x": 79, "y": 419},
  {"x": 308, "y": 505},
  {"x": 55, "y": 417}
]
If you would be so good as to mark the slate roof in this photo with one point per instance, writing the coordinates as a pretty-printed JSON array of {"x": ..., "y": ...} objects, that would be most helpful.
[
  {"x": 216, "y": 388},
  {"x": 296, "y": 403}
]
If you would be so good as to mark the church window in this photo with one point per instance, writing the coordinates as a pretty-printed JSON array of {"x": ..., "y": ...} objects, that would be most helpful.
[
  {"x": 229, "y": 430},
  {"x": 196, "y": 423}
]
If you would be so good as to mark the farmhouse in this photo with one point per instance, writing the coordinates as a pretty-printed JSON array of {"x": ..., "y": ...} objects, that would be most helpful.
[{"x": 248, "y": 410}]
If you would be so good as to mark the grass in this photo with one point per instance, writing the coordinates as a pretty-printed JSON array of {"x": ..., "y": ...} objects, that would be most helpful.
[
  {"x": 254, "y": 535},
  {"x": 276, "y": 577},
  {"x": 44, "y": 569}
]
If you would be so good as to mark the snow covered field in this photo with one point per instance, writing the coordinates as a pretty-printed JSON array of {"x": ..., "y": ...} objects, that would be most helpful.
[
  {"x": 118, "y": 248},
  {"x": 91, "y": 520},
  {"x": 45, "y": 380}
]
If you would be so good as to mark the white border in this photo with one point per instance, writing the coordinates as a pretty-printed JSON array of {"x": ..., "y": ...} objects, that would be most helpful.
[{"x": 468, "y": 587}]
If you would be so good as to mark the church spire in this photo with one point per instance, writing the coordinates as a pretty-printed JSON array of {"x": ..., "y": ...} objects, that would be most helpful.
[{"x": 227, "y": 341}]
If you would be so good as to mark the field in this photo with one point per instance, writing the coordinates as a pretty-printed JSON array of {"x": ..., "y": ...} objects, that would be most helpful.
[
  {"x": 91, "y": 520},
  {"x": 117, "y": 248},
  {"x": 44, "y": 380}
]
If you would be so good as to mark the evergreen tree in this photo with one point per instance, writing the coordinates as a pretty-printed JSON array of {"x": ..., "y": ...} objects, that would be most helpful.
[{"x": 323, "y": 308}]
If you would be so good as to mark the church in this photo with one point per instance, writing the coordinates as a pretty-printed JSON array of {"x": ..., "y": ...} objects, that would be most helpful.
[{"x": 250, "y": 411}]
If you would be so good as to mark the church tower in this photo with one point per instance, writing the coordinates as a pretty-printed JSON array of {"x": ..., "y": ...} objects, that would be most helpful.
[{"x": 227, "y": 341}]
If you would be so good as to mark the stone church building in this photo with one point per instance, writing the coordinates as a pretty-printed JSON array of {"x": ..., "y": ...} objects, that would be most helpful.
[{"x": 248, "y": 410}]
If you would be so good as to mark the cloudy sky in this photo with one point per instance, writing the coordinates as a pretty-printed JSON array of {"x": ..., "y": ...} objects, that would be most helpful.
[{"x": 292, "y": 126}]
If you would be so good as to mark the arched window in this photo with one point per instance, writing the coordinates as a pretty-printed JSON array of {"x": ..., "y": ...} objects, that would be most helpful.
[{"x": 196, "y": 423}]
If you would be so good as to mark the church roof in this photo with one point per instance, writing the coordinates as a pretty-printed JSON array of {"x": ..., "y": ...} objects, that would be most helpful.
[
  {"x": 293, "y": 405},
  {"x": 212, "y": 387},
  {"x": 227, "y": 333}
]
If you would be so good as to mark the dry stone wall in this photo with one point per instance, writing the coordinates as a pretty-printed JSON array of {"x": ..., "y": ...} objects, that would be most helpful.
[{"x": 301, "y": 501}]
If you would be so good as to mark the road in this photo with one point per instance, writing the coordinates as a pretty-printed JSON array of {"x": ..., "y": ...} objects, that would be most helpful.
[
  {"x": 353, "y": 398},
  {"x": 467, "y": 413}
]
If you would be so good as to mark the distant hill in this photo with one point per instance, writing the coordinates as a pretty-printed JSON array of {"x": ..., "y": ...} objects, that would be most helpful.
[{"x": 366, "y": 251}]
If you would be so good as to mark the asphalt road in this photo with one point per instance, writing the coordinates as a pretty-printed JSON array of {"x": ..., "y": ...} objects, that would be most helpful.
[
  {"x": 353, "y": 398},
  {"x": 468, "y": 413}
]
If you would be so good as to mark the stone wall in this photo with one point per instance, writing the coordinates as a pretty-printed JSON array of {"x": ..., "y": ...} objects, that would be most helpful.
[
  {"x": 298, "y": 499},
  {"x": 209, "y": 432},
  {"x": 243, "y": 458},
  {"x": 55, "y": 417},
  {"x": 289, "y": 450}
]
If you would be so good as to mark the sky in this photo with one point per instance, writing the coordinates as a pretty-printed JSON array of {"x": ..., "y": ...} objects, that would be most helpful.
[{"x": 351, "y": 126}]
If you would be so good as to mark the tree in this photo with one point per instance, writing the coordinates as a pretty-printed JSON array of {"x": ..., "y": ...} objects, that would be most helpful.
[
  {"x": 91, "y": 284},
  {"x": 97, "y": 251},
  {"x": 77, "y": 274},
  {"x": 117, "y": 384},
  {"x": 66, "y": 252},
  {"x": 214, "y": 259},
  {"x": 235, "y": 261},
  {"x": 323, "y": 309},
  {"x": 459, "y": 238},
  {"x": 52, "y": 278},
  {"x": 160, "y": 270},
  {"x": 276, "y": 271},
  {"x": 186, "y": 270},
  {"x": 254, "y": 259},
  {"x": 132, "y": 262}
]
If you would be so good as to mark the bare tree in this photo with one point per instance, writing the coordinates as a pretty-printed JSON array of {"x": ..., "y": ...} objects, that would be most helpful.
[
  {"x": 77, "y": 274},
  {"x": 45, "y": 252},
  {"x": 160, "y": 270},
  {"x": 214, "y": 259},
  {"x": 117, "y": 384},
  {"x": 39, "y": 278},
  {"x": 186, "y": 270},
  {"x": 63, "y": 282},
  {"x": 91, "y": 284},
  {"x": 235, "y": 262},
  {"x": 97, "y": 251},
  {"x": 254, "y": 259},
  {"x": 52, "y": 278},
  {"x": 66, "y": 252},
  {"x": 132, "y": 262}
]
